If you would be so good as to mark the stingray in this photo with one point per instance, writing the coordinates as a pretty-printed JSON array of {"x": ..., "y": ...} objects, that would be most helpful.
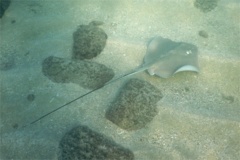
[{"x": 163, "y": 58}]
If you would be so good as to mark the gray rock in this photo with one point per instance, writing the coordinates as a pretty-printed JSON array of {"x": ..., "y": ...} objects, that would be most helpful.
[
  {"x": 135, "y": 106},
  {"x": 82, "y": 143},
  {"x": 87, "y": 74},
  {"x": 88, "y": 41}
]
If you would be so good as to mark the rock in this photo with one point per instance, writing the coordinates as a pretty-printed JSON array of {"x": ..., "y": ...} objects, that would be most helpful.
[
  {"x": 82, "y": 143},
  {"x": 4, "y": 4},
  {"x": 206, "y": 5},
  {"x": 88, "y": 41},
  {"x": 87, "y": 74},
  {"x": 135, "y": 106}
]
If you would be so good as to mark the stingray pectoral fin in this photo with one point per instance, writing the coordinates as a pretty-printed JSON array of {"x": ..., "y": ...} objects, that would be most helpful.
[
  {"x": 187, "y": 68},
  {"x": 160, "y": 72}
]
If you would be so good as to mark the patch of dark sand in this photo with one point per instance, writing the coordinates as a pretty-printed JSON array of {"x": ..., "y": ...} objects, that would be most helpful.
[
  {"x": 135, "y": 106},
  {"x": 84, "y": 143},
  {"x": 7, "y": 61},
  {"x": 88, "y": 41},
  {"x": 87, "y": 74},
  {"x": 206, "y": 5}
]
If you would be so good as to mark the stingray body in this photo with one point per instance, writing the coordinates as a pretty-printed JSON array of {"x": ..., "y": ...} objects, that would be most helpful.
[
  {"x": 163, "y": 58},
  {"x": 166, "y": 57}
]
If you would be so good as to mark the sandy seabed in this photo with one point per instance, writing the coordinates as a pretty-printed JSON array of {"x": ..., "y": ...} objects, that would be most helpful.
[{"x": 198, "y": 116}]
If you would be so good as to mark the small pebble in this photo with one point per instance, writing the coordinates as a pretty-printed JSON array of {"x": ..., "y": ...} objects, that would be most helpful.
[
  {"x": 31, "y": 97},
  {"x": 15, "y": 126},
  {"x": 203, "y": 34},
  {"x": 84, "y": 143},
  {"x": 186, "y": 89}
]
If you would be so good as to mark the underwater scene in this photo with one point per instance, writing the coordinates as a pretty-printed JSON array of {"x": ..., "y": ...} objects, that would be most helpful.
[{"x": 120, "y": 79}]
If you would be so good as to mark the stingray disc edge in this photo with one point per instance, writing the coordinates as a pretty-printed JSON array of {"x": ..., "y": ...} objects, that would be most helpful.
[{"x": 187, "y": 68}]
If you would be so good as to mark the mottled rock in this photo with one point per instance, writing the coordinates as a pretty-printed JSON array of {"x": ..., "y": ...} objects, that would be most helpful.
[
  {"x": 206, "y": 5},
  {"x": 82, "y": 143},
  {"x": 228, "y": 98},
  {"x": 87, "y": 74},
  {"x": 88, "y": 41},
  {"x": 135, "y": 106}
]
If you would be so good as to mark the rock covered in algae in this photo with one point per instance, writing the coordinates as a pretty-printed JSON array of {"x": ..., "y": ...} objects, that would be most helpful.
[
  {"x": 82, "y": 143},
  {"x": 206, "y": 5},
  {"x": 88, "y": 41},
  {"x": 87, "y": 74},
  {"x": 135, "y": 106}
]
